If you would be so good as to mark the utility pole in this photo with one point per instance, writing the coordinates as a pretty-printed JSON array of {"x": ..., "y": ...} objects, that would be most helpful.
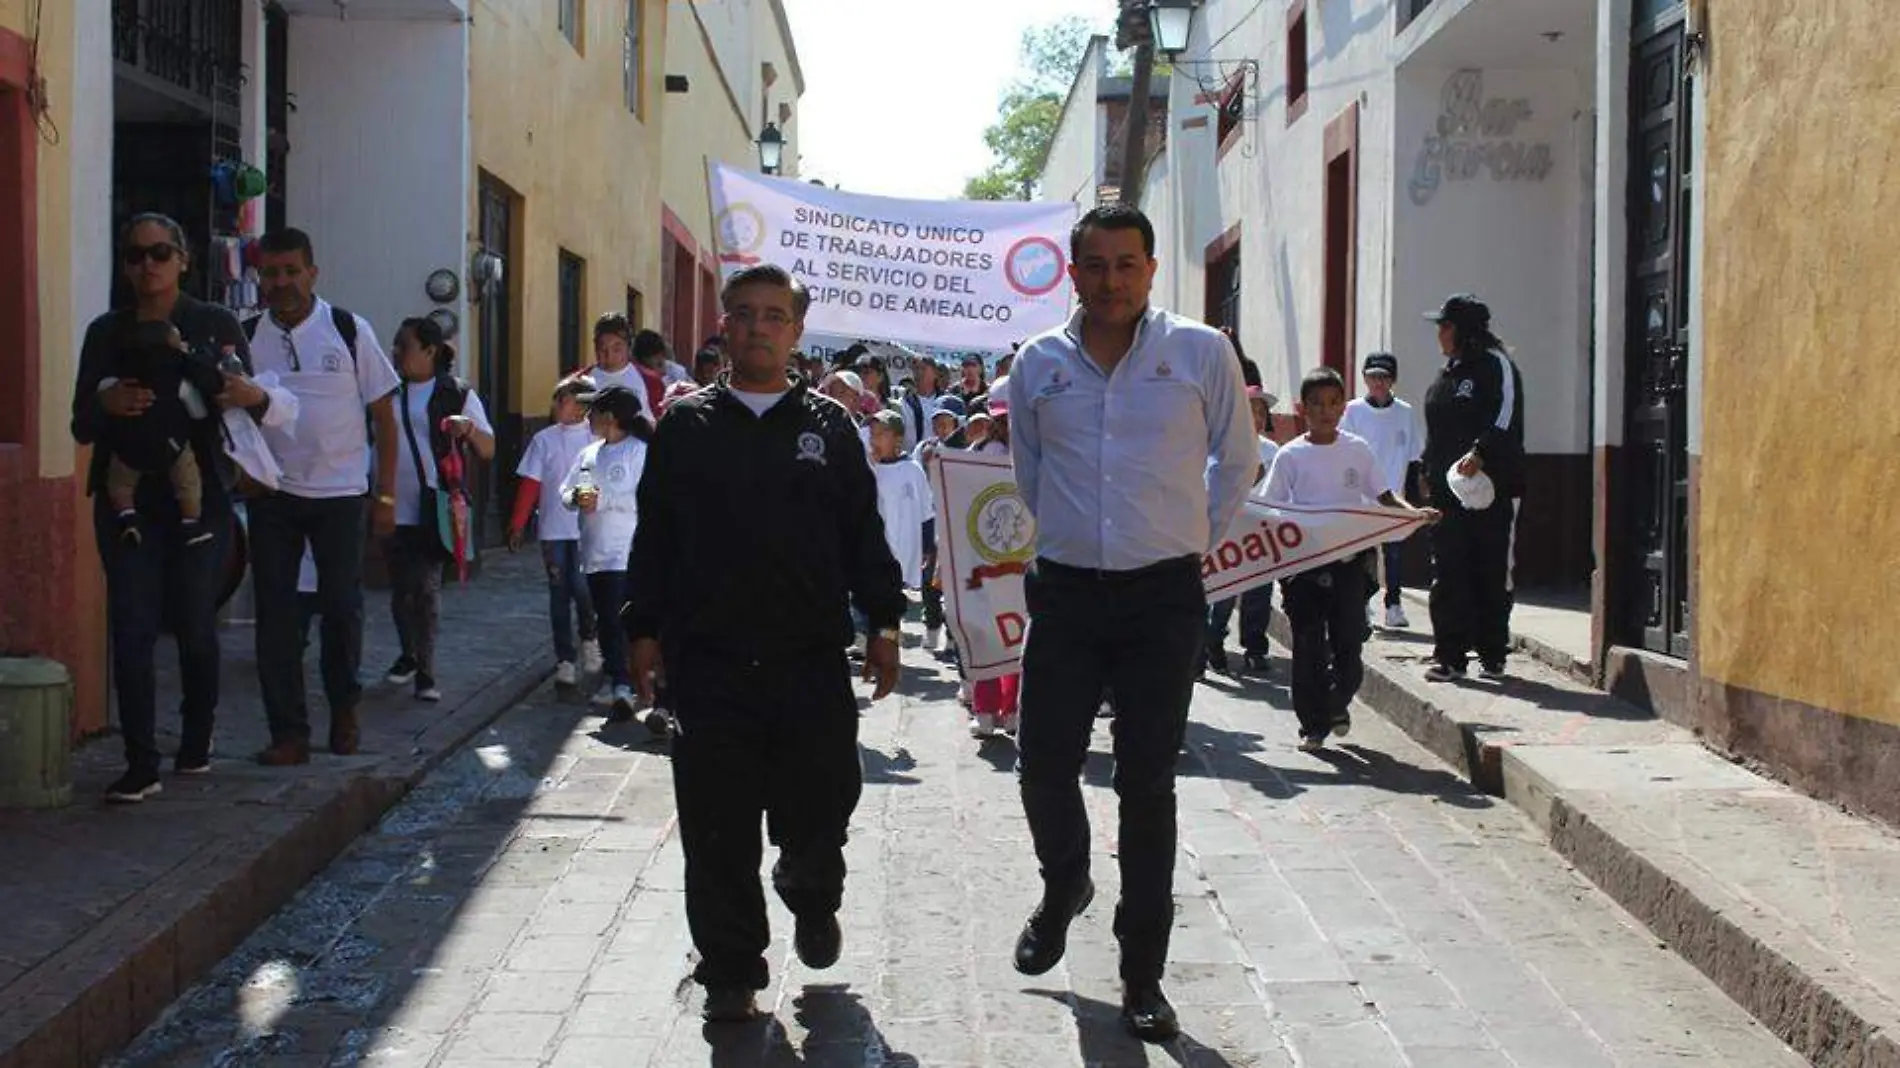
[{"x": 1131, "y": 30}]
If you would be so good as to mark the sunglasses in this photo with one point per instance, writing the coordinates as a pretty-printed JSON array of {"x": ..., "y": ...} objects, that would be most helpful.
[{"x": 159, "y": 253}]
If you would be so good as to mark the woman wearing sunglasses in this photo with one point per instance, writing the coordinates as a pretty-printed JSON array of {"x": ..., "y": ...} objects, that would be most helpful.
[{"x": 168, "y": 575}]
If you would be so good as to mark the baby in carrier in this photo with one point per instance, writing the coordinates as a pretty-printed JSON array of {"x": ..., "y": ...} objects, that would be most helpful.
[{"x": 159, "y": 438}]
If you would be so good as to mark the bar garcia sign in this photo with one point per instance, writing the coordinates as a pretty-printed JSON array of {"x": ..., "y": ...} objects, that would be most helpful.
[
  {"x": 959, "y": 274},
  {"x": 1475, "y": 137},
  {"x": 988, "y": 538}
]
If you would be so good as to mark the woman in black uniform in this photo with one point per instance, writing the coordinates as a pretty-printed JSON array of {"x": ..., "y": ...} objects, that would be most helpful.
[{"x": 1474, "y": 422}]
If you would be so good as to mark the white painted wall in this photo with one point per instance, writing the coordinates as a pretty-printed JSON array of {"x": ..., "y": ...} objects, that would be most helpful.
[
  {"x": 1523, "y": 245},
  {"x": 1612, "y": 220},
  {"x": 1271, "y": 182},
  {"x": 379, "y": 171},
  {"x": 1074, "y": 167}
]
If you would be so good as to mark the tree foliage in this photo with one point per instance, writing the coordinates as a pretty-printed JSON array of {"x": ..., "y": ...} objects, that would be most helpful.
[{"x": 1049, "y": 57}]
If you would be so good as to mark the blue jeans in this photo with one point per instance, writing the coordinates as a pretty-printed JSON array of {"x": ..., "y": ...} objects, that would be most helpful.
[
  {"x": 609, "y": 589},
  {"x": 567, "y": 596},
  {"x": 1256, "y": 612},
  {"x": 1394, "y": 554}
]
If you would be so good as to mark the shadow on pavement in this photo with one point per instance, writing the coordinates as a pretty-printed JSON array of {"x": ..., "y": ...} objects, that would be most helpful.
[
  {"x": 340, "y": 971},
  {"x": 838, "y": 1030},
  {"x": 881, "y": 770},
  {"x": 1104, "y": 1041}
]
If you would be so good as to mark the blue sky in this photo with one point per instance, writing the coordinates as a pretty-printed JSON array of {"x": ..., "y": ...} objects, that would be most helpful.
[{"x": 897, "y": 92}]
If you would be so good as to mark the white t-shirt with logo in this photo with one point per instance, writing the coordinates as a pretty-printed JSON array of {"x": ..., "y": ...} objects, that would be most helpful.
[
  {"x": 1394, "y": 433},
  {"x": 326, "y": 452},
  {"x": 550, "y": 456},
  {"x": 615, "y": 470},
  {"x": 416, "y": 427},
  {"x": 1321, "y": 476},
  {"x": 904, "y": 503}
]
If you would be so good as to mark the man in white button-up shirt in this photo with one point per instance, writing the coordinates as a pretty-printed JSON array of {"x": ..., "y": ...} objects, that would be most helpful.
[
  {"x": 1134, "y": 449},
  {"x": 330, "y": 359}
]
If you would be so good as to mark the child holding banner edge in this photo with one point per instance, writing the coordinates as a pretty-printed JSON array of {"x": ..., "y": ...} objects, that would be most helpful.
[{"x": 1326, "y": 605}]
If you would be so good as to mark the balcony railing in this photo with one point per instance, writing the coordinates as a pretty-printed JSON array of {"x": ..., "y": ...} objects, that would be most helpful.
[{"x": 193, "y": 45}]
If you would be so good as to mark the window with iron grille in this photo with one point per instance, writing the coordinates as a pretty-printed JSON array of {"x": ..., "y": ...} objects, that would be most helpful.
[
  {"x": 570, "y": 285},
  {"x": 1233, "y": 110},
  {"x": 1411, "y": 9},
  {"x": 632, "y": 61},
  {"x": 568, "y": 18}
]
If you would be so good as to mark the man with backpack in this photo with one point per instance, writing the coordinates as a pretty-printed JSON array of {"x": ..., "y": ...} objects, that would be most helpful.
[{"x": 331, "y": 360}]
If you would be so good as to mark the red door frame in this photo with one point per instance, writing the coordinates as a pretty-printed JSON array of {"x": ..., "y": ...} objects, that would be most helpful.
[
  {"x": 19, "y": 266},
  {"x": 1339, "y": 321}
]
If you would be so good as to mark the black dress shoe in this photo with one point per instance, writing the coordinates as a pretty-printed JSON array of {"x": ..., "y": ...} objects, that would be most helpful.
[
  {"x": 730, "y": 1004},
  {"x": 1045, "y": 937},
  {"x": 818, "y": 941},
  {"x": 1147, "y": 1014}
]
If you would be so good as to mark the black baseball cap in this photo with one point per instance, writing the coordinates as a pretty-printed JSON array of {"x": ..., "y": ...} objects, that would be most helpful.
[
  {"x": 1380, "y": 363},
  {"x": 1462, "y": 310}
]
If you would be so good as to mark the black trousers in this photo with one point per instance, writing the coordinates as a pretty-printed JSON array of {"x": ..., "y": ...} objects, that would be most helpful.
[
  {"x": 1141, "y": 634},
  {"x": 335, "y": 529},
  {"x": 1471, "y": 604},
  {"x": 1326, "y": 610},
  {"x": 776, "y": 738},
  {"x": 162, "y": 584}
]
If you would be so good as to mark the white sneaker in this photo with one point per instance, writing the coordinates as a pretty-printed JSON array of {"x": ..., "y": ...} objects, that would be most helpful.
[
  {"x": 1395, "y": 617},
  {"x": 1008, "y": 723},
  {"x": 604, "y": 696},
  {"x": 564, "y": 673},
  {"x": 933, "y": 637},
  {"x": 982, "y": 725},
  {"x": 590, "y": 656}
]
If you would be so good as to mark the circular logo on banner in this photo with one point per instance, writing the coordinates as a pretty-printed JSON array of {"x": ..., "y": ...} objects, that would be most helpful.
[
  {"x": 741, "y": 233},
  {"x": 1000, "y": 525},
  {"x": 1034, "y": 266}
]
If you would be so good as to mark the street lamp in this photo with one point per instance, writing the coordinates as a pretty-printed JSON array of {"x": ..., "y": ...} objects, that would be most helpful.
[
  {"x": 1169, "y": 22},
  {"x": 771, "y": 148}
]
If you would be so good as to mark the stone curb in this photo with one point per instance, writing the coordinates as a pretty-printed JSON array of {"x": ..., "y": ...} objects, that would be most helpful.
[
  {"x": 1794, "y": 990},
  {"x": 91, "y": 999}
]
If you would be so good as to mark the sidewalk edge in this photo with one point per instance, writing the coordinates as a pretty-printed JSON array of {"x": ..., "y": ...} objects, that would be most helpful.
[
  {"x": 106, "y": 1009},
  {"x": 1821, "y": 1013}
]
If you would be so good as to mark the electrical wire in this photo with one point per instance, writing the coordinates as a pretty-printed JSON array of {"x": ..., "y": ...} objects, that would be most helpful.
[{"x": 38, "y": 104}]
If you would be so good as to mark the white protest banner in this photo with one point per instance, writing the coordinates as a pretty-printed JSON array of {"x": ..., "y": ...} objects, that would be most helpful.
[
  {"x": 954, "y": 273},
  {"x": 986, "y": 539}
]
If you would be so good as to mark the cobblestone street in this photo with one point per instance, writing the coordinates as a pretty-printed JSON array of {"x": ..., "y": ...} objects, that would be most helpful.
[{"x": 1359, "y": 907}]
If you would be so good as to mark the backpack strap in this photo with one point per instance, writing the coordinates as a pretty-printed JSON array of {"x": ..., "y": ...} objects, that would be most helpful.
[{"x": 344, "y": 322}]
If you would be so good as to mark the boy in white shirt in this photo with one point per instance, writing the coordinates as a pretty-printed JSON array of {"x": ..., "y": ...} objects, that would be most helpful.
[
  {"x": 602, "y": 487},
  {"x": 903, "y": 499},
  {"x": 1326, "y": 467},
  {"x": 1256, "y": 605},
  {"x": 1391, "y": 427},
  {"x": 550, "y": 456}
]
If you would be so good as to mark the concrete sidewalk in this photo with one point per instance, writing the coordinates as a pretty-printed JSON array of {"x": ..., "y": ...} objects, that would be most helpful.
[
  {"x": 1783, "y": 901},
  {"x": 111, "y": 911}
]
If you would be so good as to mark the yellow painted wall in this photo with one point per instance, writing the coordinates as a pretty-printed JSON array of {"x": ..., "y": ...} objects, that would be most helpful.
[
  {"x": 1800, "y": 472},
  {"x": 551, "y": 123},
  {"x": 57, "y": 341},
  {"x": 717, "y": 119}
]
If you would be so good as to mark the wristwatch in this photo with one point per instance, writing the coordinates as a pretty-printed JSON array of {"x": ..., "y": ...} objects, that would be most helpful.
[
  {"x": 890, "y": 634},
  {"x": 384, "y": 498}
]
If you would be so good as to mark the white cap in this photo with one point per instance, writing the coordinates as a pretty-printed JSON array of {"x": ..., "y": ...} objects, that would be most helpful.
[{"x": 1475, "y": 492}]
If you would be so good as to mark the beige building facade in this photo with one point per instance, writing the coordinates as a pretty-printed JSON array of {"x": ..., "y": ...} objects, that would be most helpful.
[{"x": 733, "y": 69}]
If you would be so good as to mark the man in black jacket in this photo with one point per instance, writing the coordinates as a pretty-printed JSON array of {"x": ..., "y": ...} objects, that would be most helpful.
[
  {"x": 1474, "y": 421},
  {"x": 758, "y": 521}
]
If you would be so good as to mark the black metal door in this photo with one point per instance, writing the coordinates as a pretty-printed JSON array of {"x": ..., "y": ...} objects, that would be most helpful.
[
  {"x": 1656, "y": 389},
  {"x": 496, "y": 380}
]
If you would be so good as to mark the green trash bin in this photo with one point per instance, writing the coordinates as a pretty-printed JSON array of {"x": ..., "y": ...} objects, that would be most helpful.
[{"x": 36, "y": 733}]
